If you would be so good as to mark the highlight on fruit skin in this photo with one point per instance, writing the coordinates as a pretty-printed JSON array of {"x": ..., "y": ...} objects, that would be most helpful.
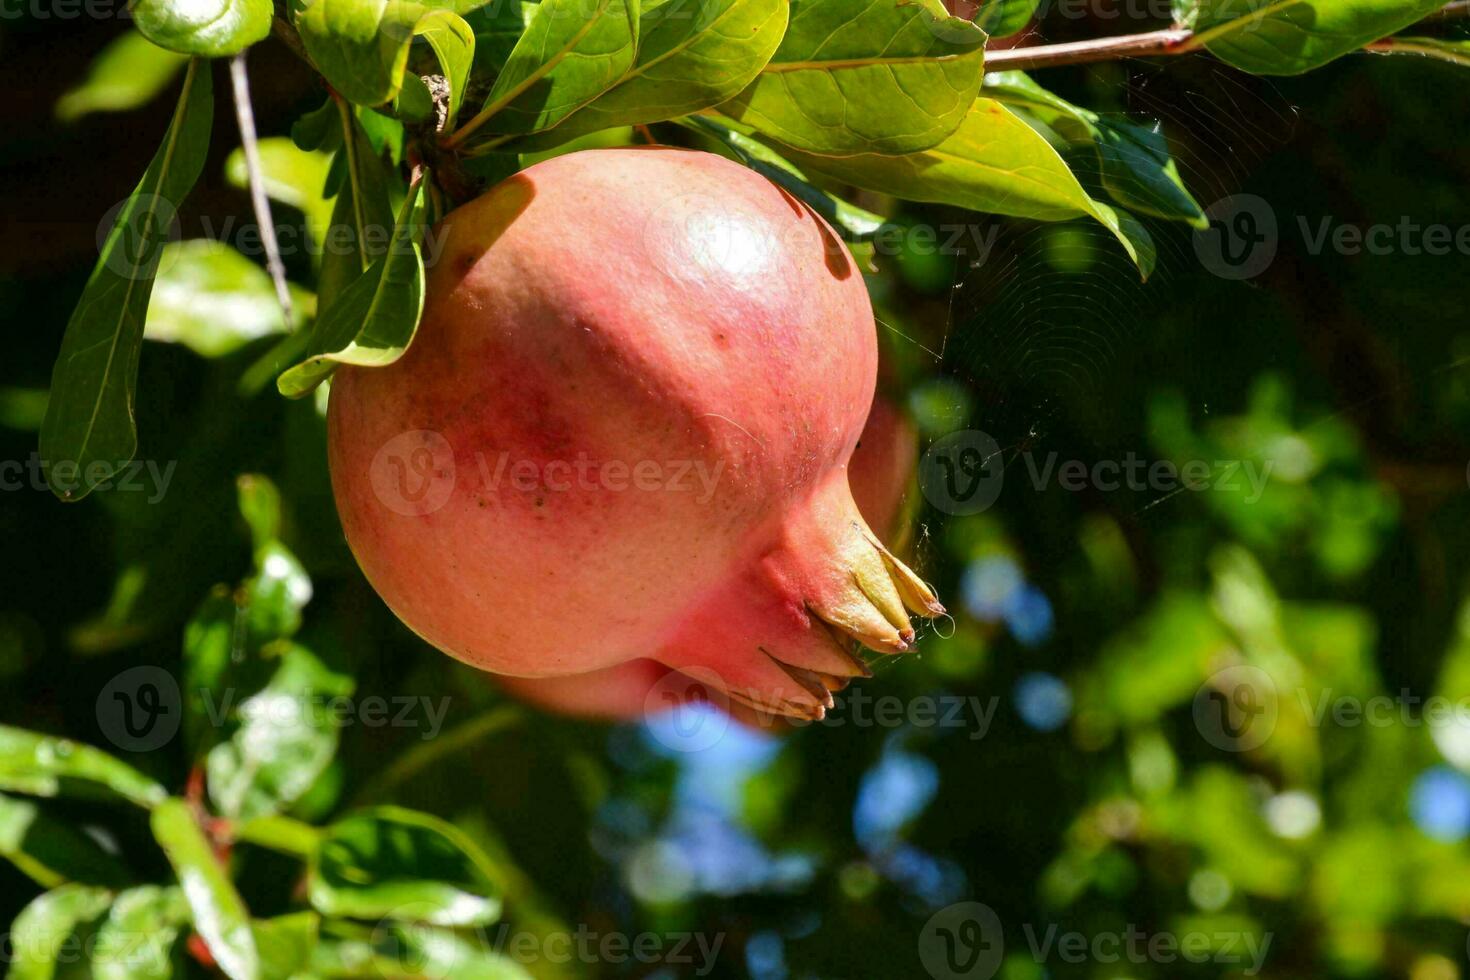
[{"x": 622, "y": 433}]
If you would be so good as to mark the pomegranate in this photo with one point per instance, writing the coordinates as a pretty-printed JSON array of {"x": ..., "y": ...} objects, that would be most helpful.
[
  {"x": 622, "y": 433},
  {"x": 880, "y": 474}
]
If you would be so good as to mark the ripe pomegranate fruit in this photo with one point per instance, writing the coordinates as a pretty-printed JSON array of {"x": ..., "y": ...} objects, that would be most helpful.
[
  {"x": 880, "y": 474},
  {"x": 622, "y": 432}
]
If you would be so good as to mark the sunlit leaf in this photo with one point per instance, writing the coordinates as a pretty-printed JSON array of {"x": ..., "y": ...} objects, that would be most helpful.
[
  {"x": 1288, "y": 37},
  {"x": 43, "y": 765},
  {"x": 993, "y": 163},
  {"x": 866, "y": 76},
  {"x": 216, "y": 910},
  {"x": 214, "y": 300},
  {"x": 129, "y": 72},
  {"x": 396, "y": 863},
  {"x": 209, "y": 28}
]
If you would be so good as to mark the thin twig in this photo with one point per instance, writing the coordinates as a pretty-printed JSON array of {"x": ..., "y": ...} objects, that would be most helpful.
[
  {"x": 1152, "y": 44},
  {"x": 1416, "y": 46},
  {"x": 245, "y": 116}
]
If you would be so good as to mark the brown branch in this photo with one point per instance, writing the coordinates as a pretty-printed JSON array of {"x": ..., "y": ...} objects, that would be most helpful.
[{"x": 1153, "y": 44}]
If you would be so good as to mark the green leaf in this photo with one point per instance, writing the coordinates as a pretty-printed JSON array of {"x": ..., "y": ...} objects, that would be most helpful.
[
  {"x": 286, "y": 943},
  {"x": 444, "y": 953},
  {"x": 420, "y": 951},
  {"x": 454, "y": 45},
  {"x": 362, "y": 215},
  {"x": 866, "y": 76},
  {"x": 292, "y": 176},
  {"x": 137, "y": 939},
  {"x": 851, "y": 222},
  {"x": 498, "y": 28},
  {"x": 388, "y": 862},
  {"x": 44, "y": 932},
  {"x": 276, "y": 594},
  {"x": 208, "y": 28},
  {"x": 572, "y": 51},
  {"x": 218, "y": 914},
  {"x": 1134, "y": 160},
  {"x": 286, "y": 738},
  {"x": 42, "y": 765},
  {"x": 214, "y": 641},
  {"x": 1288, "y": 37},
  {"x": 361, "y": 46},
  {"x": 994, "y": 163},
  {"x": 691, "y": 56},
  {"x": 52, "y": 852},
  {"x": 373, "y": 321},
  {"x": 1002, "y": 18},
  {"x": 214, "y": 300},
  {"x": 128, "y": 73},
  {"x": 22, "y": 408},
  {"x": 260, "y": 505},
  {"x": 89, "y": 420}
]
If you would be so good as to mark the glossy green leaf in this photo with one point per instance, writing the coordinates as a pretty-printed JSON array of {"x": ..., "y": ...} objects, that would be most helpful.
[
  {"x": 388, "y": 862},
  {"x": 44, "y": 932},
  {"x": 43, "y": 765},
  {"x": 445, "y": 953},
  {"x": 851, "y": 222},
  {"x": 454, "y": 45},
  {"x": 691, "y": 56},
  {"x": 292, "y": 176},
  {"x": 208, "y": 28},
  {"x": 374, "y": 319},
  {"x": 572, "y": 51},
  {"x": 214, "y": 300},
  {"x": 52, "y": 852},
  {"x": 129, "y": 72},
  {"x": 361, "y": 46},
  {"x": 286, "y": 944},
  {"x": 286, "y": 736},
  {"x": 993, "y": 163},
  {"x": 89, "y": 420},
  {"x": 216, "y": 910},
  {"x": 1288, "y": 37},
  {"x": 866, "y": 76},
  {"x": 419, "y": 951},
  {"x": 138, "y": 939},
  {"x": 1134, "y": 161},
  {"x": 275, "y": 595}
]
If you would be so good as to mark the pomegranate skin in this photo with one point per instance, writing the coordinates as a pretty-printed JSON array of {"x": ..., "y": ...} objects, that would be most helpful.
[
  {"x": 622, "y": 433},
  {"x": 880, "y": 473}
]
